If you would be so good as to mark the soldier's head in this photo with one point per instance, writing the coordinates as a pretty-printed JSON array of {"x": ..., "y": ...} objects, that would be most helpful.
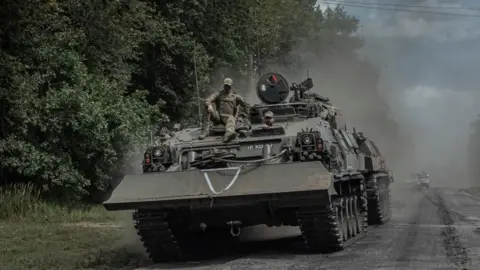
[
  {"x": 227, "y": 84},
  {"x": 268, "y": 118}
]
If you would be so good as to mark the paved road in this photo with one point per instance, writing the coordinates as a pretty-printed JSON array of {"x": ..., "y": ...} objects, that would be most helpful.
[{"x": 437, "y": 229}]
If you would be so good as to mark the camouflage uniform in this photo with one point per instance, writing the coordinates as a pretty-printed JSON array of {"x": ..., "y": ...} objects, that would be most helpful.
[{"x": 226, "y": 102}]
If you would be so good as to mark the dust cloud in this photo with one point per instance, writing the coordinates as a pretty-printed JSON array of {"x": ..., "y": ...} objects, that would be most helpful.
[
  {"x": 130, "y": 241},
  {"x": 352, "y": 83},
  {"x": 412, "y": 88},
  {"x": 429, "y": 78}
]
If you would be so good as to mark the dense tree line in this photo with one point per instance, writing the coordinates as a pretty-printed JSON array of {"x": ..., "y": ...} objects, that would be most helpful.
[{"x": 82, "y": 81}]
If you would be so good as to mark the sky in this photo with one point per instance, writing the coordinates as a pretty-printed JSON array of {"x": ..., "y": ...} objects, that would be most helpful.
[{"x": 430, "y": 67}]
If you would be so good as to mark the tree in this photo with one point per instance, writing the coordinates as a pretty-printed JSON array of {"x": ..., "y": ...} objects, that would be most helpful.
[{"x": 67, "y": 117}]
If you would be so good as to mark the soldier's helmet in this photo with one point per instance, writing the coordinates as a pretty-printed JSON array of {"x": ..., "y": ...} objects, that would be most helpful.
[{"x": 228, "y": 82}]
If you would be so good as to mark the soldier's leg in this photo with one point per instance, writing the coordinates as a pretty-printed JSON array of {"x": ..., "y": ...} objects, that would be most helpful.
[
  {"x": 205, "y": 126},
  {"x": 229, "y": 121},
  {"x": 207, "y": 120}
]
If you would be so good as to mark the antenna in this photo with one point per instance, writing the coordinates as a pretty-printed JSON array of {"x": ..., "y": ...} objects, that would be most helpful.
[
  {"x": 307, "y": 74},
  {"x": 198, "y": 90}
]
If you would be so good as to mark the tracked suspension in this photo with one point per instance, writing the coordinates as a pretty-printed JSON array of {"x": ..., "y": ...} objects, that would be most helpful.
[
  {"x": 326, "y": 228},
  {"x": 379, "y": 202},
  {"x": 156, "y": 235},
  {"x": 169, "y": 237},
  {"x": 336, "y": 225}
]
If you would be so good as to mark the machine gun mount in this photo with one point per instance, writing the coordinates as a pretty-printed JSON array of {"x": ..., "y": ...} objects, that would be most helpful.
[
  {"x": 273, "y": 88},
  {"x": 301, "y": 88}
]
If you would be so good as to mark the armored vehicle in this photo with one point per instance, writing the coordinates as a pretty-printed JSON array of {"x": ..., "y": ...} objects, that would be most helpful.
[
  {"x": 423, "y": 180},
  {"x": 293, "y": 164},
  {"x": 419, "y": 181}
]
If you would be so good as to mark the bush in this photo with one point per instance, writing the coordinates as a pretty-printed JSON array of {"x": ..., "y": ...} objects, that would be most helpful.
[
  {"x": 23, "y": 202},
  {"x": 70, "y": 121}
]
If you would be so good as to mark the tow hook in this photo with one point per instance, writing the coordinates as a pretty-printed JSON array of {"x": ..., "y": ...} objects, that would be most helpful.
[{"x": 234, "y": 227}]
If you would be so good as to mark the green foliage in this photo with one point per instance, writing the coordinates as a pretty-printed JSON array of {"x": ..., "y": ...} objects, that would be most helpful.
[
  {"x": 24, "y": 203},
  {"x": 69, "y": 119},
  {"x": 83, "y": 81}
]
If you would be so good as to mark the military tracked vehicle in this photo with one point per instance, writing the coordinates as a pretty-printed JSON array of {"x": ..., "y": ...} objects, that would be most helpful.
[
  {"x": 422, "y": 180},
  {"x": 305, "y": 169}
]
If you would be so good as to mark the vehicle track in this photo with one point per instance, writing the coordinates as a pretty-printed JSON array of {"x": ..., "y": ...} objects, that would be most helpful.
[
  {"x": 411, "y": 232},
  {"x": 423, "y": 233},
  {"x": 456, "y": 251}
]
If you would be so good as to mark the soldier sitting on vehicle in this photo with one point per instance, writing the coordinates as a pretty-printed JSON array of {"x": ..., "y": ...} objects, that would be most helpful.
[{"x": 226, "y": 102}]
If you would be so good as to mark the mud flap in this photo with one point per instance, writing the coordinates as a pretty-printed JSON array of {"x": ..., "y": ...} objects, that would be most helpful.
[{"x": 239, "y": 181}]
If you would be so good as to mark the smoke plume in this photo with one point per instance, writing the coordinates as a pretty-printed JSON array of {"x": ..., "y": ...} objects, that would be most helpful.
[
  {"x": 419, "y": 105},
  {"x": 429, "y": 70}
]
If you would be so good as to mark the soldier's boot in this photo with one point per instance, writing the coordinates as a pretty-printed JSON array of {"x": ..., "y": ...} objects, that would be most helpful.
[
  {"x": 229, "y": 136},
  {"x": 205, "y": 128},
  {"x": 230, "y": 133},
  {"x": 203, "y": 134}
]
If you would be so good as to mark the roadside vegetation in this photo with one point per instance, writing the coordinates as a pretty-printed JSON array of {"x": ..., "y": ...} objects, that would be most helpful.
[
  {"x": 83, "y": 83},
  {"x": 38, "y": 234}
]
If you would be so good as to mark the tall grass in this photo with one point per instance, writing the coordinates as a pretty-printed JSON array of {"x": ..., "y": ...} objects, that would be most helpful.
[{"x": 24, "y": 202}]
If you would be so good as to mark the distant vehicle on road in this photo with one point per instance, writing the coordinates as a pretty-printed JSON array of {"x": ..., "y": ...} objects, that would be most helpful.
[
  {"x": 419, "y": 180},
  {"x": 423, "y": 180}
]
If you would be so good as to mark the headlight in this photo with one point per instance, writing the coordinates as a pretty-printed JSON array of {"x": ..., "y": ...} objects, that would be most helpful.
[
  {"x": 307, "y": 139},
  {"x": 158, "y": 152}
]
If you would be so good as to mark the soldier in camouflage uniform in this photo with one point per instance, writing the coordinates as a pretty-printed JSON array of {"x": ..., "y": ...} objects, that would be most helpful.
[{"x": 226, "y": 102}]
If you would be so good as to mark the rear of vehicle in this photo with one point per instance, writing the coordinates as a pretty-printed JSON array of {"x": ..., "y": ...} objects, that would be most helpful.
[{"x": 423, "y": 182}]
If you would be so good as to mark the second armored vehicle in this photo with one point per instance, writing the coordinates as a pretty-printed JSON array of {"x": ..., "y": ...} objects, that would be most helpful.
[
  {"x": 423, "y": 180},
  {"x": 294, "y": 163}
]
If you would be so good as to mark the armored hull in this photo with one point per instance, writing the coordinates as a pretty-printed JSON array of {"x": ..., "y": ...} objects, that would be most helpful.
[
  {"x": 423, "y": 183},
  {"x": 302, "y": 171}
]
